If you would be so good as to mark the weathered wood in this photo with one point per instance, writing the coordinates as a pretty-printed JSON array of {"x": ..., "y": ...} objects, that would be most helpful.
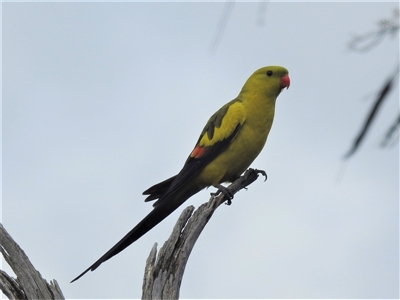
[
  {"x": 163, "y": 273},
  {"x": 29, "y": 284}
]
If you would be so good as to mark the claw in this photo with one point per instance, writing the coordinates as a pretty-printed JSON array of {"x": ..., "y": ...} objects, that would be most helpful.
[
  {"x": 221, "y": 189},
  {"x": 262, "y": 172}
]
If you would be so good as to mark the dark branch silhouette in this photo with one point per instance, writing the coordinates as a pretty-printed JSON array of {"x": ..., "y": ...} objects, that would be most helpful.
[
  {"x": 365, "y": 43},
  {"x": 222, "y": 25},
  {"x": 262, "y": 10},
  {"x": 382, "y": 95},
  {"x": 389, "y": 136},
  {"x": 225, "y": 18}
]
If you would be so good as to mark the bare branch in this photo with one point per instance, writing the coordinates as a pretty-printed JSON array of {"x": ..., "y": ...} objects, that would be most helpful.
[
  {"x": 163, "y": 275},
  {"x": 262, "y": 11},
  {"x": 29, "y": 283},
  {"x": 382, "y": 95},
  {"x": 366, "y": 42},
  {"x": 389, "y": 136},
  {"x": 10, "y": 287},
  {"x": 225, "y": 18},
  {"x": 222, "y": 25}
]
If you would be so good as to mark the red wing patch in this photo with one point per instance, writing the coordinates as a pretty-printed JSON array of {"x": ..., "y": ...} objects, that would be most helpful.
[{"x": 198, "y": 152}]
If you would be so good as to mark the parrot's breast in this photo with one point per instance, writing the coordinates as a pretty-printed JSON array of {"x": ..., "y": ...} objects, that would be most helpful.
[{"x": 239, "y": 155}]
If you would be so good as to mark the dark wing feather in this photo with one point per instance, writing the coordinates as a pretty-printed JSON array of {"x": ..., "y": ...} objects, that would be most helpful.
[
  {"x": 198, "y": 159},
  {"x": 194, "y": 166}
]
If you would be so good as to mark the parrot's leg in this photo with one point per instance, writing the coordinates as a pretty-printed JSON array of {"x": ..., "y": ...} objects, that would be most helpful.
[{"x": 225, "y": 191}]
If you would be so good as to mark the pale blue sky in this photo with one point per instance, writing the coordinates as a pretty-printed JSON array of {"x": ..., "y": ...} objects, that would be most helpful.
[{"x": 102, "y": 100}]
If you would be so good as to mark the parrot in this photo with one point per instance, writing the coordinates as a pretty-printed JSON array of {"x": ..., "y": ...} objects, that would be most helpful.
[{"x": 230, "y": 141}]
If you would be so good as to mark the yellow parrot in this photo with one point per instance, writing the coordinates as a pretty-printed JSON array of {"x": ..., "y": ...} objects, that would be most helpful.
[{"x": 228, "y": 144}]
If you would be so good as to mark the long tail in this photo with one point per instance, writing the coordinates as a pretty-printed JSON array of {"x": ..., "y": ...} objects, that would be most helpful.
[{"x": 169, "y": 203}]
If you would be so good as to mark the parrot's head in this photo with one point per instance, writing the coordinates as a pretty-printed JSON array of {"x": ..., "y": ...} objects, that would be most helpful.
[{"x": 268, "y": 80}]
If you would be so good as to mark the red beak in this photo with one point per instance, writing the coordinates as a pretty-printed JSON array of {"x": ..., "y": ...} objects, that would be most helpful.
[{"x": 285, "y": 81}]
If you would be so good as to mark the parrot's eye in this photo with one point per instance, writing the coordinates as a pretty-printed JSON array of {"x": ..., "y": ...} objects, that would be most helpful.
[{"x": 269, "y": 73}]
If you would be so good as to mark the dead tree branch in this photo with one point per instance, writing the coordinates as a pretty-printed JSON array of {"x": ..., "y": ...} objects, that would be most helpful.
[
  {"x": 382, "y": 95},
  {"x": 29, "y": 284},
  {"x": 163, "y": 273},
  {"x": 365, "y": 43}
]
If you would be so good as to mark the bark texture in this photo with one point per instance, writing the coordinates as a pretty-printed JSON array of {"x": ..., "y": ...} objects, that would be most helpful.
[
  {"x": 29, "y": 284},
  {"x": 163, "y": 272}
]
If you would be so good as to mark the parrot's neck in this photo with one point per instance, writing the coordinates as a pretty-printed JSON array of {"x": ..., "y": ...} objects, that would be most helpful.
[{"x": 260, "y": 110}]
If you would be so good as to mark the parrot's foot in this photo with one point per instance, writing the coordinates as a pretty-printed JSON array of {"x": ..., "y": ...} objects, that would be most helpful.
[
  {"x": 221, "y": 189},
  {"x": 262, "y": 172}
]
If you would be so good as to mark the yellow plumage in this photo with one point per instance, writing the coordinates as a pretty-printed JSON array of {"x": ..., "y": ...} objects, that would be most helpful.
[
  {"x": 228, "y": 144},
  {"x": 254, "y": 110}
]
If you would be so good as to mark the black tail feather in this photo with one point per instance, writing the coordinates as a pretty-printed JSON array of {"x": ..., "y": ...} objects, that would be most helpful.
[
  {"x": 170, "y": 203},
  {"x": 159, "y": 189}
]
